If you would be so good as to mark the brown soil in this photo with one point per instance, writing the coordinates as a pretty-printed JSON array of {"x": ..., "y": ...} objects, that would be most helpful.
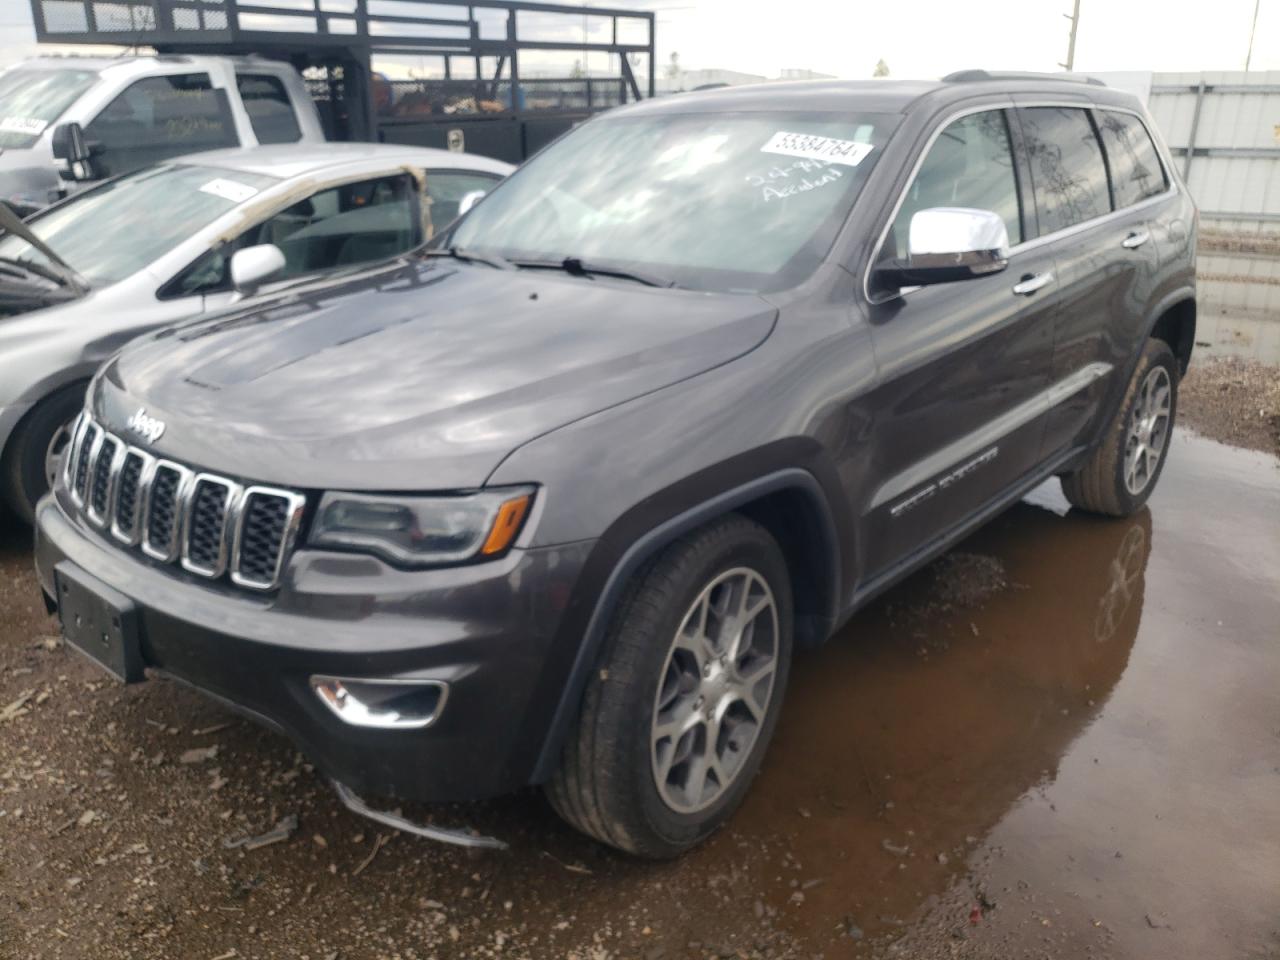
[{"x": 1233, "y": 400}]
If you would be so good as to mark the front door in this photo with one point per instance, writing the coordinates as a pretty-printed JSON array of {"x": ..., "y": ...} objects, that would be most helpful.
[{"x": 959, "y": 412}]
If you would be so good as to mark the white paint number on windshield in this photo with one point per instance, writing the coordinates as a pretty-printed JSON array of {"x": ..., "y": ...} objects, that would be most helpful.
[{"x": 229, "y": 189}]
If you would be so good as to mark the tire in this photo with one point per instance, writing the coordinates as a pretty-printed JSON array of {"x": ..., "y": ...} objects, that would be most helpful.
[
  {"x": 1112, "y": 482},
  {"x": 608, "y": 784},
  {"x": 24, "y": 467}
]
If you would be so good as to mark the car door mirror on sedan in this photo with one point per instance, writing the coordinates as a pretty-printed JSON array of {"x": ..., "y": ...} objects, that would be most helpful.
[
  {"x": 253, "y": 266},
  {"x": 469, "y": 200},
  {"x": 946, "y": 244}
]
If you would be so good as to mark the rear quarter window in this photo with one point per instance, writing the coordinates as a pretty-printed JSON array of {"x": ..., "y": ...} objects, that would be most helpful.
[
  {"x": 270, "y": 111},
  {"x": 1136, "y": 171}
]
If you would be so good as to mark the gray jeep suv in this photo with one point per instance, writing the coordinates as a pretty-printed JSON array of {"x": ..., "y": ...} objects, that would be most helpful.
[{"x": 554, "y": 502}]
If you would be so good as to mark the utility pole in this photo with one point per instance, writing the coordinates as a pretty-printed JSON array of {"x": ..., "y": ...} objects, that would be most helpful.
[
  {"x": 1074, "y": 17},
  {"x": 1252, "y": 30}
]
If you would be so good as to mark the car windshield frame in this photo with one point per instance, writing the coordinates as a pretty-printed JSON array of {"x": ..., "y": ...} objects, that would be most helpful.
[
  {"x": 221, "y": 190},
  {"x": 762, "y": 161},
  {"x": 39, "y": 103}
]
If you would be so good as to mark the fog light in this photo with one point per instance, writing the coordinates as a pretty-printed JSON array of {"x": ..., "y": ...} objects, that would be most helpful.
[{"x": 385, "y": 704}]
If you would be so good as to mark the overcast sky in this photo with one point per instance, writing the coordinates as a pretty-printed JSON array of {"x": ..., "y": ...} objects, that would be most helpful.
[{"x": 923, "y": 38}]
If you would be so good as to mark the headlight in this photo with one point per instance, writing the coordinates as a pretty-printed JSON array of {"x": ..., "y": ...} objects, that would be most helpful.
[{"x": 422, "y": 531}]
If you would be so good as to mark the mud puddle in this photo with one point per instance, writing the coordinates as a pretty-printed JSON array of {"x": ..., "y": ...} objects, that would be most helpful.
[{"x": 1062, "y": 740}]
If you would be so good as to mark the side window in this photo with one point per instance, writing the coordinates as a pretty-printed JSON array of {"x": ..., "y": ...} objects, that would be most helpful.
[
  {"x": 970, "y": 164},
  {"x": 270, "y": 111},
  {"x": 446, "y": 188},
  {"x": 345, "y": 225},
  {"x": 1068, "y": 173},
  {"x": 157, "y": 118},
  {"x": 1136, "y": 172}
]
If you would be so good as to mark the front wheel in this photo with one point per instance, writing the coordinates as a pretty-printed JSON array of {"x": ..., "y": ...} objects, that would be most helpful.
[
  {"x": 1120, "y": 474},
  {"x": 36, "y": 447},
  {"x": 675, "y": 723}
]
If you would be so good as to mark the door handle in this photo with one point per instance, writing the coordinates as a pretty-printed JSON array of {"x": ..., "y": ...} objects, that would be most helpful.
[
  {"x": 1029, "y": 285},
  {"x": 1136, "y": 239}
]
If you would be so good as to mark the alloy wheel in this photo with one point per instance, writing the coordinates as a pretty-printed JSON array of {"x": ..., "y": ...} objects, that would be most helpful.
[
  {"x": 715, "y": 690},
  {"x": 1148, "y": 430}
]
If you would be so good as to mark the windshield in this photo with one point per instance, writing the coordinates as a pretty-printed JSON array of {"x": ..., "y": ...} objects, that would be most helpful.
[
  {"x": 728, "y": 202},
  {"x": 30, "y": 100},
  {"x": 111, "y": 231}
]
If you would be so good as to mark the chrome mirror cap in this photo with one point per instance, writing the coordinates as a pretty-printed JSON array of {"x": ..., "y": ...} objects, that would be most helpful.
[{"x": 958, "y": 237}]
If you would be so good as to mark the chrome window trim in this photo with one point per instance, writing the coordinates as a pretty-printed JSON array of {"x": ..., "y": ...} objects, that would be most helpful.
[
  {"x": 180, "y": 493},
  {"x": 230, "y": 515},
  {"x": 133, "y": 535},
  {"x": 296, "y": 505},
  {"x": 96, "y": 518},
  {"x": 1025, "y": 245}
]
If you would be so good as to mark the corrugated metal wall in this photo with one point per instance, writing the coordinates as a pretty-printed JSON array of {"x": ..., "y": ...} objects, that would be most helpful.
[{"x": 1224, "y": 131}]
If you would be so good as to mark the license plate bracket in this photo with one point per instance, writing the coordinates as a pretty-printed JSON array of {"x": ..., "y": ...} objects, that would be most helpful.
[{"x": 99, "y": 621}]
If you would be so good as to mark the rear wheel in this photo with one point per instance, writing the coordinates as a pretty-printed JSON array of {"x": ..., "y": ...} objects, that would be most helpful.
[
  {"x": 36, "y": 447},
  {"x": 1120, "y": 474},
  {"x": 676, "y": 721}
]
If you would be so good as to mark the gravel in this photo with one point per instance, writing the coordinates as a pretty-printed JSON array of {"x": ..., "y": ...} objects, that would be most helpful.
[{"x": 1233, "y": 401}]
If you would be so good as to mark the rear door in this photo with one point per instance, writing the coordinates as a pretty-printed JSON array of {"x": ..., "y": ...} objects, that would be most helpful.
[
  {"x": 963, "y": 365},
  {"x": 1088, "y": 204}
]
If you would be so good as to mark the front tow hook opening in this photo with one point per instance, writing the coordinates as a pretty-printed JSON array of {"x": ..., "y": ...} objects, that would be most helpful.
[{"x": 457, "y": 837}]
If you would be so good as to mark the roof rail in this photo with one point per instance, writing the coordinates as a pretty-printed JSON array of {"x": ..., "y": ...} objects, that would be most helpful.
[{"x": 975, "y": 76}]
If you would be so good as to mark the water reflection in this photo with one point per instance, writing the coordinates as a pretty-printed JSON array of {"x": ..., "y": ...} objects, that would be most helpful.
[{"x": 914, "y": 732}]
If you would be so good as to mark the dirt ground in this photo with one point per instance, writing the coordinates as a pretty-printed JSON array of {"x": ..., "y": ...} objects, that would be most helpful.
[
  {"x": 1233, "y": 400},
  {"x": 1062, "y": 740}
]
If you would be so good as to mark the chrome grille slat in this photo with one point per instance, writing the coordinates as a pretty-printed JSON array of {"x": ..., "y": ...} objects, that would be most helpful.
[{"x": 210, "y": 524}]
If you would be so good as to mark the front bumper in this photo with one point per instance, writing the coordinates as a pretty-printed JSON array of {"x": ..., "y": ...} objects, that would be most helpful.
[{"x": 487, "y": 630}]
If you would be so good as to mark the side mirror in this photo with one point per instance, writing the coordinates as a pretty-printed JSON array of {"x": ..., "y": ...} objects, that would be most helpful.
[
  {"x": 469, "y": 200},
  {"x": 70, "y": 146},
  {"x": 946, "y": 244},
  {"x": 253, "y": 266}
]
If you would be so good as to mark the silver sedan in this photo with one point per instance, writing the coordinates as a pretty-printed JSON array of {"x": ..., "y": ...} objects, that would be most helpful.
[{"x": 185, "y": 237}]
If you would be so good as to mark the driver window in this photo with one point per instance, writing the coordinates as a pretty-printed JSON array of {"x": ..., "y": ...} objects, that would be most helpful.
[
  {"x": 970, "y": 164},
  {"x": 345, "y": 225}
]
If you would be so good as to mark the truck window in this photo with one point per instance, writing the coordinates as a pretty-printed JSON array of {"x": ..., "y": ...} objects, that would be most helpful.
[
  {"x": 970, "y": 164},
  {"x": 270, "y": 110},
  {"x": 1067, "y": 170},
  {"x": 157, "y": 118},
  {"x": 1136, "y": 172}
]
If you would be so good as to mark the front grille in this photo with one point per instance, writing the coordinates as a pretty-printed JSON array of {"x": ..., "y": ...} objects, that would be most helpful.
[
  {"x": 128, "y": 488},
  {"x": 212, "y": 525},
  {"x": 100, "y": 489},
  {"x": 205, "y": 548}
]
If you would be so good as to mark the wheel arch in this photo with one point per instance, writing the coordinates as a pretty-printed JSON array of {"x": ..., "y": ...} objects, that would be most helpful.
[
  {"x": 791, "y": 504},
  {"x": 1174, "y": 322}
]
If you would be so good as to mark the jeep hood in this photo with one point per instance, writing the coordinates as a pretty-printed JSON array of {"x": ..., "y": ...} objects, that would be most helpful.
[{"x": 422, "y": 376}]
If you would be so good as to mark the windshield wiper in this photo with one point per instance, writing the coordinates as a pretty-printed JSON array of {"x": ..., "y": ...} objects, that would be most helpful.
[
  {"x": 471, "y": 256},
  {"x": 575, "y": 267},
  {"x": 28, "y": 267},
  {"x": 63, "y": 273}
]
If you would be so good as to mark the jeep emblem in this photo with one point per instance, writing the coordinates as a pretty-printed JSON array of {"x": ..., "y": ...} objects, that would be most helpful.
[{"x": 149, "y": 428}]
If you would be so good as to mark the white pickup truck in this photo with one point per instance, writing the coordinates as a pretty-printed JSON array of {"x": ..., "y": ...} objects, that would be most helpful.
[{"x": 135, "y": 111}]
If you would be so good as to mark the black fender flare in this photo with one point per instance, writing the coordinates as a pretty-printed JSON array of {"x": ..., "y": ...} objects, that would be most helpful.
[{"x": 789, "y": 478}]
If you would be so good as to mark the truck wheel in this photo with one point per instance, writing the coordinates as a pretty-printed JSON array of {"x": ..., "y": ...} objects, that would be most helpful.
[
  {"x": 676, "y": 720},
  {"x": 1120, "y": 474},
  {"x": 36, "y": 447}
]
